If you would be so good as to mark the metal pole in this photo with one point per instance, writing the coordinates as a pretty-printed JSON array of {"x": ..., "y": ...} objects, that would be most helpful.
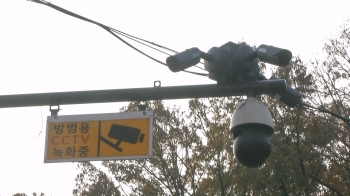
[{"x": 142, "y": 94}]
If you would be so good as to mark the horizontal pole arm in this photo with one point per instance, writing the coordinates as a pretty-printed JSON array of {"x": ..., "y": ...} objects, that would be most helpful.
[{"x": 142, "y": 94}]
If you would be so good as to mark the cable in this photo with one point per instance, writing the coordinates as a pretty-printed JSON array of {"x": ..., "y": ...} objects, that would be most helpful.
[
  {"x": 307, "y": 108},
  {"x": 113, "y": 31},
  {"x": 41, "y": 130},
  {"x": 132, "y": 38},
  {"x": 329, "y": 120},
  {"x": 125, "y": 34},
  {"x": 346, "y": 120},
  {"x": 303, "y": 106}
]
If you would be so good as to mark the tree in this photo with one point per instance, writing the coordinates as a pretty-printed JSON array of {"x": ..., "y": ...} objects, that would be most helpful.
[
  {"x": 176, "y": 166},
  {"x": 333, "y": 75},
  {"x": 315, "y": 145},
  {"x": 34, "y": 194},
  {"x": 92, "y": 181}
]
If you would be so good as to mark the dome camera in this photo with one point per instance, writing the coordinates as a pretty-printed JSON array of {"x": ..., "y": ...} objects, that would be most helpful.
[{"x": 252, "y": 127}]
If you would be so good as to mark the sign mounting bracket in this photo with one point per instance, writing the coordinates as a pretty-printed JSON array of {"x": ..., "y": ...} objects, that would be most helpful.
[{"x": 54, "y": 111}]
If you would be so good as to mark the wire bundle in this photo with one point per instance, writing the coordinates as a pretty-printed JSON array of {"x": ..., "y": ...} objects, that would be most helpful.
[{"x": 116, "y": 33}]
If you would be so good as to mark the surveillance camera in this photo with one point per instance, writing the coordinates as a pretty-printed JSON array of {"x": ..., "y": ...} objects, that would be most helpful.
[
  {"x": 184, "y": 60},
  {"x": 274, "y": 55},
  {"x": 124, "y": 133},
  {"x": 252, "y": 127}
]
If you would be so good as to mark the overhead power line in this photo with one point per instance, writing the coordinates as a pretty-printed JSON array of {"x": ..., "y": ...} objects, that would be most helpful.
[{"x": 114, "y": 32}]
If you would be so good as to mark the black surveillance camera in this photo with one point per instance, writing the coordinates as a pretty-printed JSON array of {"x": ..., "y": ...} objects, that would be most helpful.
[
  {"x": 184, "y": 60},
  {"x": 290, "y": 96},
  {"x": 124, "y": 133},
  {"x": 273, "y": 55},
  {"x": 252, "y": 127}
]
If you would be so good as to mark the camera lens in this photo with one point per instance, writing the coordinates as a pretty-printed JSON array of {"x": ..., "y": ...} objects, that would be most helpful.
[
  {"x": 284, "y": 57},
  {"x": 252, "y": 145}
]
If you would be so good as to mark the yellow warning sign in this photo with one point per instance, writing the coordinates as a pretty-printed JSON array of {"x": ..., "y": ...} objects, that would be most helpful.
[{"x": 99, "y": 137}]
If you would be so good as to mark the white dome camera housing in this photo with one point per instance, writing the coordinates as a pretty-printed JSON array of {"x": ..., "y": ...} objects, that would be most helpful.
[{"x": 252, "y": 127}]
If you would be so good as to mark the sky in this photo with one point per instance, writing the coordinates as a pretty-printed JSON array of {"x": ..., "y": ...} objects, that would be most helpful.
[{"x": 43, "y": 50}]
